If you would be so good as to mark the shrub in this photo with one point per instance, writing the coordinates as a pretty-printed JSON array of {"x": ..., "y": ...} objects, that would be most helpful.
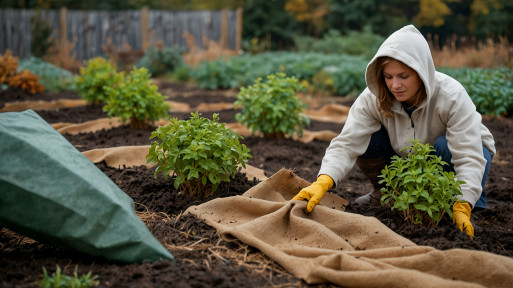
[
  {"x": 8, "y": 66},
  {"x": 9, "y": 75},
  {"x": 418, "y": 187},
  {"x": 202, "y": 153},
  {"x": 59, "y": 280},
  {"x": 161, "y": 60},
  {"x": 94, "y": 77},
  {"x": 182, "y": 73},
  {"x": 136, "y": 99},
  {"x": 272, "y": 108},
  {"x": 27, "y": 80}
]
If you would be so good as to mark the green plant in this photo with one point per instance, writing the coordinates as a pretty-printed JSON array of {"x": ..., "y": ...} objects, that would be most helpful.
[
  {"x": 95, "y": 77},
  {"x": 161, "y": 60},
  {"x": 491, "y": 90},
  {"x": 59, "y": 280},
  {"x": 136, "y": 99},
  {"x": 182, "y": 73},
  {"x": 272, "y": 107},
  {"x": 201, "y": 153},
  {"x": 418, "y": 187}
]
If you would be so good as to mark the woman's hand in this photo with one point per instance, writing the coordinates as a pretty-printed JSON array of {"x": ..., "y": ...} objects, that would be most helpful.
[
  {"x": 315, "y": 191},
  {"x": 461, "y": 217}
]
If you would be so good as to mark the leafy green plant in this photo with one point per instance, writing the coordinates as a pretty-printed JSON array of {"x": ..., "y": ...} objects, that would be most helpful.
[
  {"x": 59, "y": 280},
  {"x": 364, "y": 43},
  {"x": 182, "y": 73},
  {"x": 161, "y": 60},
  {"x": 95, "y": 77},
  {"x": 136, "y": 99},
  {"x": 491, "y": 90},
  {"x": 272, "y": 107},
  {"x": 347, "y": 71},
  {"x": 200, "y": 152},
  {"x": 418, "y": 187}
]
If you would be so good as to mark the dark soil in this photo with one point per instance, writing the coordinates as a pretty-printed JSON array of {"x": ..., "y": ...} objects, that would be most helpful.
[{"x": 216, "y": 262}]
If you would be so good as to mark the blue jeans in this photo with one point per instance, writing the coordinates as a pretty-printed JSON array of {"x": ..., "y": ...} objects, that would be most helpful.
[{"x": 380, "y": 146}]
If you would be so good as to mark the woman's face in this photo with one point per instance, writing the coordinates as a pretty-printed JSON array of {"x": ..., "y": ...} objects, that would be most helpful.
[{"x": 402, "y": 81}]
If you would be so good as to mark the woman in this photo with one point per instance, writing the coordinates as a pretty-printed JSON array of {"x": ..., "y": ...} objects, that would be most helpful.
[{"x": 407, "y": 99}]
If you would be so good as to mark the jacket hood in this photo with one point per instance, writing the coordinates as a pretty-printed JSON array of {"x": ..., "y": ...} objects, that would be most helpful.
[{"x": 408, "y": 46}]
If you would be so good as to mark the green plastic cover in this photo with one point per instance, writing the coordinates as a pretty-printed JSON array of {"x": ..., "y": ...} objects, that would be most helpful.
[{"x": 52, "y": 193}]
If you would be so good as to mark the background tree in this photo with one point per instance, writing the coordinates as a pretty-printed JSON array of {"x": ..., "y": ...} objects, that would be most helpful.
[
  {"x": 265, "y": 19},
  {"x": 311, "y": 12}
]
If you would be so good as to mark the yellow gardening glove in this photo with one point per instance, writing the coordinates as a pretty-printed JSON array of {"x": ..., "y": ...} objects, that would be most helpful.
[
  {"x": 315, "y": 191},
  {"x": 461, "y": 217}
]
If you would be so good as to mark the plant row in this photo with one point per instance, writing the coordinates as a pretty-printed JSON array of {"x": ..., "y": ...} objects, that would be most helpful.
[
  {"x": 490, "y": 89},
  {"x": 201, "y": 153}
]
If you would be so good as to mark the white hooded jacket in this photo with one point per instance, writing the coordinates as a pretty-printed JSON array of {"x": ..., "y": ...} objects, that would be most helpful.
[{"x": 448, "y": 110}]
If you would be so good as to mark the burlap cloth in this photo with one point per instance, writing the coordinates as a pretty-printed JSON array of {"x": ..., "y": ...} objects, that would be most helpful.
[
  {"x": 350, "y": 250},
  {"x": 130, "y": 156},
  {"x": 42, "y": 105}
]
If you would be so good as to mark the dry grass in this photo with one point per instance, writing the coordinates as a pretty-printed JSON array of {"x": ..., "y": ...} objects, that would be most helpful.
[
  {"x": 123, "y": 57},
  {"x": 211, "y": 52},
  {"x": 466, "y": 53},
  {"x": 61, "y": 55},
  {"x": 223, "y": 250}
]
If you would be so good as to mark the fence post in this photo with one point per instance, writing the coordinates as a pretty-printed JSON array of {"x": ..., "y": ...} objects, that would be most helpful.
[
  {"x": 64, "y": 23},
  {"x": 238, "y": 33},
  {"x": 224, "y": 29},
  {"x": 145, "y": 43}
]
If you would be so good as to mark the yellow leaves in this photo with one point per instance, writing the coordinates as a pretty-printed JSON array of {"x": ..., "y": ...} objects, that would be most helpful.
[
  {"x": 432, "y": 13},
  {"x": 306, "y": 11}
]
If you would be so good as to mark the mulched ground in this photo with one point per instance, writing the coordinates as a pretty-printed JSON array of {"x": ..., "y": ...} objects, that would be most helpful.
[{"x": 202, "y": 258}]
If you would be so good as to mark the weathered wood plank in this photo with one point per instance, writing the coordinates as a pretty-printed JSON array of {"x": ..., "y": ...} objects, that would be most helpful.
[{"x": 92, "y": 29}]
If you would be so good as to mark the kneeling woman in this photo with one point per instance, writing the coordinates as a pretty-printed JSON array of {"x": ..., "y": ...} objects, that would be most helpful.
[{"x": 407, "y": 99}]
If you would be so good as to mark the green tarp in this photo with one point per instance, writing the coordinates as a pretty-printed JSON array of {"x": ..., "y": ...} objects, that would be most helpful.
[{"x": 52, "y": 193}]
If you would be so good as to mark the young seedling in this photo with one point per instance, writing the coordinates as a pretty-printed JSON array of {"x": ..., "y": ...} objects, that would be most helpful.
[
  {"x": 202, "y": 153},
  {"x": 418, "y": 186},
  {"x": 59, "y": 280},
  {"x": 272, "y": 107}
]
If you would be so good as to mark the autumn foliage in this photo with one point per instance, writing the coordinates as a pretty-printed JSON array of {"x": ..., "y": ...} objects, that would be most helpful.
[
  {"x": 28, "y": 81},
  {"x": 25, "y": 79},
  {"x": 8, "y": 66}
]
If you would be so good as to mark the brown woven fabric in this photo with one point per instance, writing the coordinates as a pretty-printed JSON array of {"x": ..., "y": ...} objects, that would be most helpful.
[
  {"x": 351, "y": 250},
  {"x": 130, "y": 156}
]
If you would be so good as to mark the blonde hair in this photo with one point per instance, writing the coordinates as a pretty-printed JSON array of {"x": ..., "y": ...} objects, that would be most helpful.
[{"x": 385, "y": 97}]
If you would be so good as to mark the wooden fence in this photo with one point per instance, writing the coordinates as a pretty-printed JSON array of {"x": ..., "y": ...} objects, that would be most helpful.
[{"x": 136, "y": 28}]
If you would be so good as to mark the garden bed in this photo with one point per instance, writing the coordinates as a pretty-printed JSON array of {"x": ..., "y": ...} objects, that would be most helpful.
[{"x": 202, "y": 258}]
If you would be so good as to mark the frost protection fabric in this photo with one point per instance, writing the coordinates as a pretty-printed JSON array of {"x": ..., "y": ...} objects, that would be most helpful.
[{"x": 52, "y": 193}]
